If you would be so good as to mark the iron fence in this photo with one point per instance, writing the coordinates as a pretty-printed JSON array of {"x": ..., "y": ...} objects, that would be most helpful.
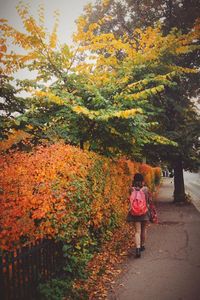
[{"x": 22, "y": 270}]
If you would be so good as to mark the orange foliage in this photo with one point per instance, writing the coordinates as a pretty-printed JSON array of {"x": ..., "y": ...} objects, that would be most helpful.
[
  {"x": 15, "y": 137},
  {"x": 59, "y": 189}
]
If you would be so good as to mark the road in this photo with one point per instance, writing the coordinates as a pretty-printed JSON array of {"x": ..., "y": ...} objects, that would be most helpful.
[{"x": 192, "y": 187}]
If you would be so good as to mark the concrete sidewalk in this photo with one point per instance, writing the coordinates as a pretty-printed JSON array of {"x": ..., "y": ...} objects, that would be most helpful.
[{"x": 170, "y": 266}]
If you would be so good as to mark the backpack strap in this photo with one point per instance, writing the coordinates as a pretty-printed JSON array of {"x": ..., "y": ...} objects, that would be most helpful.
[{"x": 134, "y": 189}]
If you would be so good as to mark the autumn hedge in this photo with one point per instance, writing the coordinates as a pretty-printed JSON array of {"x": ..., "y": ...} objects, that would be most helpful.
[{"x": 62, "y": 191}]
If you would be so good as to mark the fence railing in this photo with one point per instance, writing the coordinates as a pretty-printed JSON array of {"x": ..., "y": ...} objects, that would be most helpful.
[{"x": 22, "y": 270}]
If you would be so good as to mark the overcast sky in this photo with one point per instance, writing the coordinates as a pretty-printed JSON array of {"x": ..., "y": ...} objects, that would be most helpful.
[{"x": 69, "y": 12}]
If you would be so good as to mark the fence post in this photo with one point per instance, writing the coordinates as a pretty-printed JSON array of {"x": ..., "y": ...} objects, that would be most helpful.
[
  {"x": 2, "y": 287},
  {"x": 21, "y": 270}
]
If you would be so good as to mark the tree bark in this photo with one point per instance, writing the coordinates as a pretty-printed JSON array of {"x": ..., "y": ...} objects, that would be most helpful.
[
  {"x": 179, "y": 188},
  {"x": 81, "y": 144},
  {"x": 168, "y": 15}
]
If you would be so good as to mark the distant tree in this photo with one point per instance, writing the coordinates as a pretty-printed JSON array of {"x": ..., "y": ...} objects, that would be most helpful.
[
  {"x": 11, "y": 106},
  {"x": 125, "y": 16}
]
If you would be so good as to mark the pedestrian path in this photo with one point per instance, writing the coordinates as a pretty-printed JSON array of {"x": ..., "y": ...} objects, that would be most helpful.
[{"x": 170, "y": 266}]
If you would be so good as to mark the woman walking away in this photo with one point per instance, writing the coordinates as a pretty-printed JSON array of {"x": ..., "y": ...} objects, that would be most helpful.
[{"x": 138, "y": 212}]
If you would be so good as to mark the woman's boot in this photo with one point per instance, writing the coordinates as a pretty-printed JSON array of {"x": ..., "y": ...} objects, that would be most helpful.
[{"x": 138, "y": 254}]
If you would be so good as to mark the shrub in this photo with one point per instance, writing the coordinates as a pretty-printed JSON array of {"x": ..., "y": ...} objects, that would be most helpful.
[{"x": 68, "y": 194}]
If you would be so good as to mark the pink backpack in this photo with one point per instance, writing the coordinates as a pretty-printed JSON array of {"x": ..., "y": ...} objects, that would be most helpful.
[{"x": 138, "y": 202}]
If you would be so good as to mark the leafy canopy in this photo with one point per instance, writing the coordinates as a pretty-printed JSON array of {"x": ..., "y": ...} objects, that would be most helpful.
[{"x": 97, "y": 93}]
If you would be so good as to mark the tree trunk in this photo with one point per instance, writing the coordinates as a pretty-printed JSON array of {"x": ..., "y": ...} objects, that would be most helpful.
[
  {"x": 81, "y": 144},
  {"x": 168, "y": 15},
  {"x": 179, "y": 188}
]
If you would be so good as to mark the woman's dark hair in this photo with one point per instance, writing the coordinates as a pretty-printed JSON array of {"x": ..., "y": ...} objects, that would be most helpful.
[{"x": 137, "y": 180}]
